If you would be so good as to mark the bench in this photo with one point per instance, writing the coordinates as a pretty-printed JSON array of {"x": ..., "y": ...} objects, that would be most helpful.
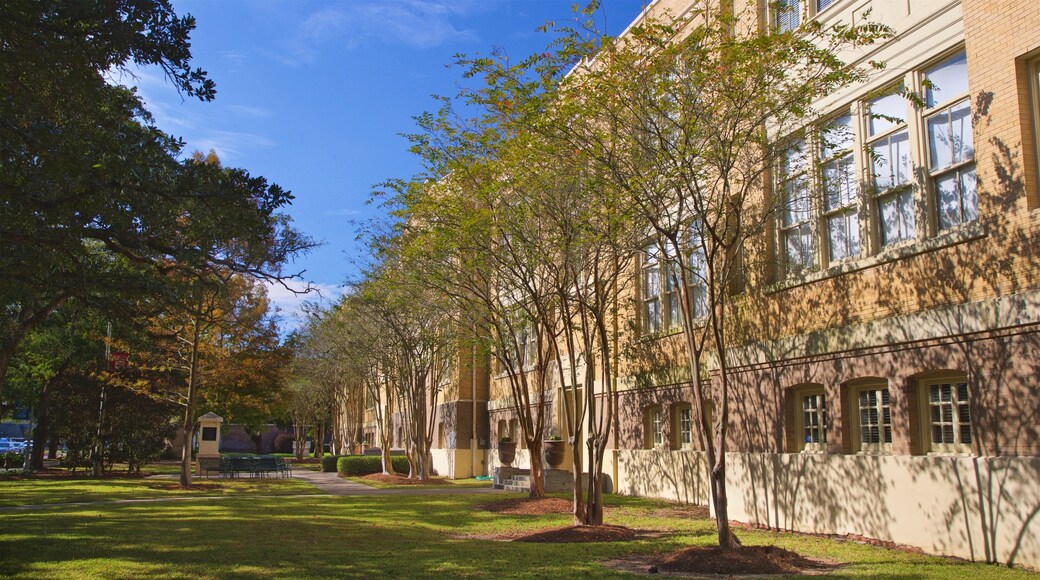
[
  {"x": 210, "y": 464},
  {"x": 231, "y": 466}
]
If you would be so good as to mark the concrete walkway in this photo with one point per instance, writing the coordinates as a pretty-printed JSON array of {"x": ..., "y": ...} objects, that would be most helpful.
[{"x": 333, "y": 484}]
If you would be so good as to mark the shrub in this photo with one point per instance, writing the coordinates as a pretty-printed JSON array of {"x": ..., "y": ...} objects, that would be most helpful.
[
  {"x": 368, "y": 464},
  {"x": 329, "y": 463},
  {"x": 283, "y": 443},
  {"x": 12, "y": 460}
]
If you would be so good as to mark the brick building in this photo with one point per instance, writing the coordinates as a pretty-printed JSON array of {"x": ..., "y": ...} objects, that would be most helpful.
[{"x": 888, "y": 384}]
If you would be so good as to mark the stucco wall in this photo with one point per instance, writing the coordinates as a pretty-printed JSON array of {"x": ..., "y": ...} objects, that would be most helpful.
[{"x": 979, "y": 508}]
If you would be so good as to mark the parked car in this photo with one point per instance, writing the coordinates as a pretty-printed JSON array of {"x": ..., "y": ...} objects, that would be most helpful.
[{"x": 7, "y": 445}]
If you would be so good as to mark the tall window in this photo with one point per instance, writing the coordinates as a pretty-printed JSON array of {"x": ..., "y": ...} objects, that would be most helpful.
[
  {"x": 874, "y": 416},
  {"x": 654, "y": 424},
  {"x": 951, "y": 146},
  {"x": 810, "y": 419},
  {"x": 651, "y": 290},
  {"x": 671, "y": 295},
  {"x": 949, "y": 416},
  {"x": 788, "y": 15},
  {"x": 698, "y": 264},
  {"x": 840, "y": 195},
  {"x": 796, "y": 226},
  {"x": 682, "y": 426},
  {"x": 892, "y": 168}
]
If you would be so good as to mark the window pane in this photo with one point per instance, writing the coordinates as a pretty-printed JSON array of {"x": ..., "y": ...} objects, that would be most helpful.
[
  {"x": 788, "y": 15},
  {"x": 969, "y": 194},
  {"x": 836, "y": 137},
  {"x": 963, "y": 141},
  {"x": 900, "y": 152},
  {"x": 886, "y": 112},
  {"x": 947, "y": 79},
  {"x": 940, "y": 146},
  {"x": 838, "y": 237},
  {"x": 907, "y": 216},
  {"x": 795, "y": 159},
  {"x": 948, "y": 200},
  {"x": 890, "y": 219},
  {"x": 821, "y": 4},
  {"x": 881, "y": 151}
]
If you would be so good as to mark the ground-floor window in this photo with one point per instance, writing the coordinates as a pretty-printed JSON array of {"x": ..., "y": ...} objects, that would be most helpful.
[
  {"x": 808, "y": 408},
  {"x": 654, "y": 427},
  {"x": 682, "y": 426},
  {"x": 872, "y": 418},
  {"x": 947, "y": 411}
]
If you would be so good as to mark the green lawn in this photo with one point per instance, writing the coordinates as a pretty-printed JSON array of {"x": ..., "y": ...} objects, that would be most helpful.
[
  {"x": 375, "y": 536},
  {"x": 47, "y": 491}
]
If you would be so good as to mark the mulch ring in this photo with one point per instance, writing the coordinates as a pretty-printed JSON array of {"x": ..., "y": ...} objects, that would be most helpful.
[
  {"x": 523, "y": 506},
  {"x": 83, "y": 473},
  {"x": 581, "y": 534},
  {"x": 402, "y": 480},
  {"x": 571, "y": 535},
  {"x": 746, "y": 560}
]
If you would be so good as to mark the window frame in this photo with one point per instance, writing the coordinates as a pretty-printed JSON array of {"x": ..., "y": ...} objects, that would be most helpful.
[
  {"x": 850, "y": 210},
  {"x": 799, "y": 397},
  {"x": 955, "y": 168},
  {"x": 1033, "y": 75},
  {"x": 916, "y": 198},
  {"x": 678, "y": 428},
  {"x": 925, "y": 405},
  {"x": 650, "y": 261},
  {"x": 895, "y": 191},
  {"x": 856, "y": 422},
  {"x": 653, "y": 423},
  {"x": 804, "y": 11},
  {"x": 804, "y": 186}
]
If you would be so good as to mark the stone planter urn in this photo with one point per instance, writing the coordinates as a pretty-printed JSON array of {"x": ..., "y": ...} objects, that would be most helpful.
[
  {"x": 507, "y": 452},
  {"x": 553, "y": 452}
]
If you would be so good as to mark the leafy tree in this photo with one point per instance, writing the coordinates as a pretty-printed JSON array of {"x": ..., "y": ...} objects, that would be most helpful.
[
  {"x": 684, "y": 116},
  {"x": 86, "y": 180}
]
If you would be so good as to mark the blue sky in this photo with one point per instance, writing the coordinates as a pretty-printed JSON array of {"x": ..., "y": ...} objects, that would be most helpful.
[{"x": 313, "y": 95}]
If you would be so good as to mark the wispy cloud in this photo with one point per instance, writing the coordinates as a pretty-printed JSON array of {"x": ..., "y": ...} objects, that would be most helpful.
[
  {"x": 342, "y": 212},
  {"x": 418, "y": 24},
  {"x": 292, "y": 304},
  {"x": 182, "y": 118}
]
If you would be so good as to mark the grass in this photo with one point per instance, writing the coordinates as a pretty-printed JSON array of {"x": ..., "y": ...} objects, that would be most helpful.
[
  {"x": 371, "y": 536},
  {"x": 59, "y": 490}
]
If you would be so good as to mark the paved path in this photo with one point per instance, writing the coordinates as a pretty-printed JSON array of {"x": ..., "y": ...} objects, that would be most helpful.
[{"x": 333, "y": 484}]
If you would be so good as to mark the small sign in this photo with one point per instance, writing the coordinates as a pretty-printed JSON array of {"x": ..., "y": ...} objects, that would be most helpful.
[{"x": 209, "y": 433}]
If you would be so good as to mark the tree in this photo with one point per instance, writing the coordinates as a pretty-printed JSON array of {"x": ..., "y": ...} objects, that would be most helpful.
[
  {"x": 684, "y": 116},
  {"x": 86, "y": 179},
  {"x": 218, "y": 323}
]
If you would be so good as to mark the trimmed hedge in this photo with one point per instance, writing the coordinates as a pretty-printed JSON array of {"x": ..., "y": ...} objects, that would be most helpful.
[
  {"x": 368, "y": 464},
  {"x": 329, "y": 462}
]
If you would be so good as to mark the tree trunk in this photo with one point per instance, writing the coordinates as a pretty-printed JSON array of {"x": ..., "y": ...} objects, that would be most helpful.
[
  {"x": 534, "y": 446},
  {"x": 189, "y": 409},
  {"x": 39, "y": 437}
]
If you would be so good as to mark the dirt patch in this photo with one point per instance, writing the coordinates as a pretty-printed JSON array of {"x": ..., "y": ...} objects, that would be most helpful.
[
  {"x": 192, "y": 487},
  {"x": 62, "y": 473},
  {"x": 530, "y": 507},
  {"x": 747, "y": 560},
  {"x": 697, "y": 512},
  {"x": 402, "y": 480},
  {"x": 581, "y": 534}
]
